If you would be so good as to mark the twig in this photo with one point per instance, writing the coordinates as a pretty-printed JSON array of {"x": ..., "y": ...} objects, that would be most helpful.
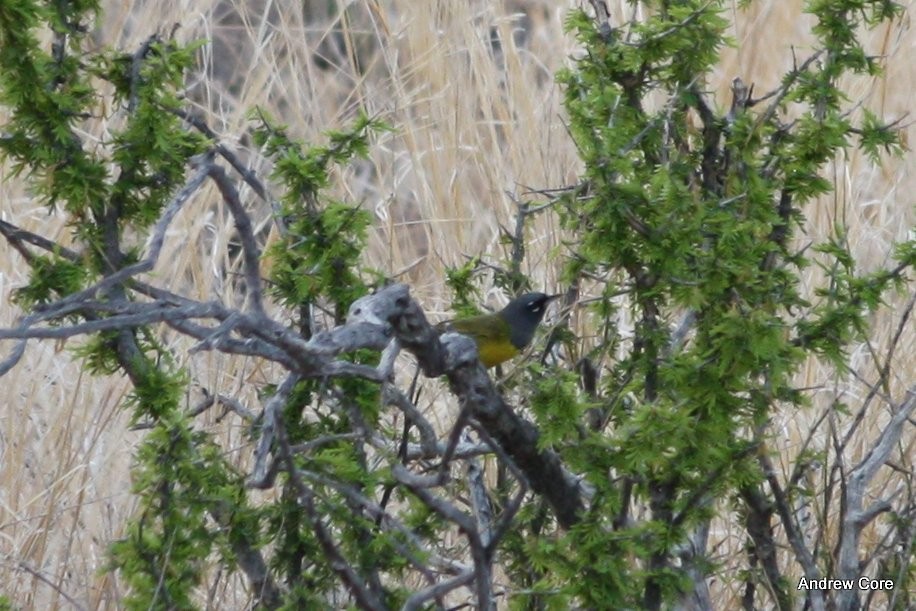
[
  {"x": 142, "y": 315},
  {"x": 464, "y": 523},
  {"x": 14, "y": 357},
  {"x": 25, "y": 567},
  {"x": 251, "y": 254},
  {"x": 416, "y": 600},
  {"x": 262, "y": 475},
  {"x": 480, "y": 501},
  {"x": 855, "y": 518},
  {"x": 16, "y": 235},
  {"x": 49, "y": 311},
  {"x": 392, "y": 395},
  {"x": 248, "y": 175},
  {"x": 802, "y": 554},
  {"x": 363, "y": 595}
]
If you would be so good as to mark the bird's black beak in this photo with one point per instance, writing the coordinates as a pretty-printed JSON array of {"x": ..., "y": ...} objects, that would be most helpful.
[{"x": 552, "y": 297}]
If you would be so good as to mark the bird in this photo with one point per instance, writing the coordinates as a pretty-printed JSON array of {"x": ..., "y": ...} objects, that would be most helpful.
[{"x": 503, "y": 335}]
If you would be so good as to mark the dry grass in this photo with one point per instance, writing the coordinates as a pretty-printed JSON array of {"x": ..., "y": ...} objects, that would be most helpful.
[{"x": 472, "y": 127}]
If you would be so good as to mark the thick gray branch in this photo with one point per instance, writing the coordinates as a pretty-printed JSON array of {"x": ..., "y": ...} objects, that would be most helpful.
[{"x": 456, "y": 356}]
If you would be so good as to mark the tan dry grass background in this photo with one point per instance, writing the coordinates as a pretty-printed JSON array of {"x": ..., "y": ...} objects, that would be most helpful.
[{"x": 471, "y": 125}]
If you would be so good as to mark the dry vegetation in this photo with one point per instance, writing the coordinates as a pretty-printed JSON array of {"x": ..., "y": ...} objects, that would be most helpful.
[{"x": 477, "y": 123}]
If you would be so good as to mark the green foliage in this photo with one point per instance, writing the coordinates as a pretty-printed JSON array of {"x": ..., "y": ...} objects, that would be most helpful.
[
  {"x": 305, "y": 172},
  {"x": 320, "y": 255},
  {"x": 191, "y": 504},
  {"x": 317, "y": 267},
  {"x": 153, "y": 148},
  {"x": 556, "y": 405},
  {"x": 875, "y": 135},
  {"x": 100, "y": 353},
  {"x": 182, "y": 483},
  {"x": 109, "y": 191},
  {"x": 52, "y": 278},
  {"x": 694, "y": 219},
  {"x": 322, "y": 260},
  {"x": 461, "y": 281},
  {"x": 52, "y": 94}
]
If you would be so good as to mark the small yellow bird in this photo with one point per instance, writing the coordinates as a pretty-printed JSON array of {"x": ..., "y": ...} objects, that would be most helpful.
[{"x": 501, "y": 336}]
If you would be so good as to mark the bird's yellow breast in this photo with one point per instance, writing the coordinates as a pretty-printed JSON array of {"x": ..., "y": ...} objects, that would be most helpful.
[
  {"x": 493, "y": 353},
  {"x": 491, "y": 334}
]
